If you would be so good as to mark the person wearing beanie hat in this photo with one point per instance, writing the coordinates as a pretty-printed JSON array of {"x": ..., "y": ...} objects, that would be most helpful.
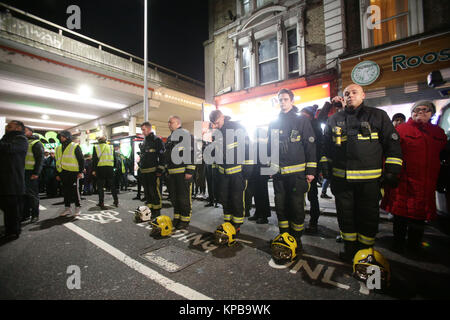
[
  {"x": 69, "y": 166},
  {"x": 414, "y": 200}
]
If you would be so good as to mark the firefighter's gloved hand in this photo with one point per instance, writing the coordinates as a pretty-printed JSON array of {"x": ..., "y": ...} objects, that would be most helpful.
[{"x": 390, "y": 180}]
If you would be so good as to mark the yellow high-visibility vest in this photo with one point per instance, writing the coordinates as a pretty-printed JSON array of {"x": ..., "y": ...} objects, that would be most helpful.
[
  {"x": 29, "y": 158},
  {"x": 105, "y": 154},
  {"x": 67, "y": 160}
]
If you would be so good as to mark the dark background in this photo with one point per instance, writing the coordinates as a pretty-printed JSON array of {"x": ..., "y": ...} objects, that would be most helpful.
[{"x": 177, "y": 28}]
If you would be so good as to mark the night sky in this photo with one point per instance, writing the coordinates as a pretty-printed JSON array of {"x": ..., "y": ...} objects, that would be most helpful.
[{"x": 178, "y": 28}]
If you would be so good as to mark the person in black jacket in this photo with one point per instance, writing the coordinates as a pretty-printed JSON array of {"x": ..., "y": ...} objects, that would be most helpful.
[
  {"x": 233, "y": 170},
  {"x": 70, "y": 167},
  {"x": 296, "y": 167},
  {"x": 314, "y": 210},
  {"x": 152, "y": 168},
  {"x": 356, "y": 141},
  {"x": 33, "y": 168},
  {"x": 181, "y": 175},
  {"x": 13, "y": 149}
]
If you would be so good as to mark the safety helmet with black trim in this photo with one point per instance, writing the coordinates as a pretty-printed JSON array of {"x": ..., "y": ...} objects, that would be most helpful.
[
  {"x": 283, "y": 247},
  {"x": 225, "y": 234},
  {"x": 365, "y": 258},
  {"x": 142, "y": 214},
  {"x": 161, "y": 226}
]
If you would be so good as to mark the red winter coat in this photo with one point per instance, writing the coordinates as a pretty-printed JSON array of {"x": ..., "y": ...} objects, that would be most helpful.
[{"x": 415, "y": 196}]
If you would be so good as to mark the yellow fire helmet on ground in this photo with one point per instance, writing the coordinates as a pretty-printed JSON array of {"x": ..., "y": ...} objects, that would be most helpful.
[
  {"x": 365, "y": 258},
  {"x": 284, "y": 247},
  {"x": 225, "y": 233},
  {"x": 161, "y": 225}
]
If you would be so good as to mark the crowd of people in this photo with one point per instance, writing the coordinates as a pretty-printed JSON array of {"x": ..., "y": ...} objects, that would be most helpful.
[{"x": 359, "y": 152}]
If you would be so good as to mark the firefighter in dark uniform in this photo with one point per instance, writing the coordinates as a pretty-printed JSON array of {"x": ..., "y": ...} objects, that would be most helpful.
[
  {"x": 356, "y": 141},
  {"x": 235, "y": 171},
  {"x": 296, "y": 167},
  {"x": 180, "y": 176},
  {"x": 152, "y": 167}
]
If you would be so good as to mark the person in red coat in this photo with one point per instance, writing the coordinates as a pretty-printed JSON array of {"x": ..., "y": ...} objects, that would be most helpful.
[{"x": 413, "y": 201}]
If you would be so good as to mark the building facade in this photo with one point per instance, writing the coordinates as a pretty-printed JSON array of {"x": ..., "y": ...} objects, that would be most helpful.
[
  {"x": 392, "y": 46},
  {"x": 257, "y": 47}
]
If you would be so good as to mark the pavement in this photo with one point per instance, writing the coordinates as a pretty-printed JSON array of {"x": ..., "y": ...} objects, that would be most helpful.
[{"x": 104, "y": 254}]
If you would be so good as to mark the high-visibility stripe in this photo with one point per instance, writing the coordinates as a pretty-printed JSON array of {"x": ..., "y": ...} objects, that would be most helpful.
[
  {"x": 392, "y": 160},
  {"x": 293, "y": 169},
  {"x": 324, "y": 159},
  {"x": 249, "y": 162},
  {"x": 161, "y": 167},
  {"x": 185, "y": 219},
  {"x": 363, "y": 174},
  {"x": 297, "y": 227},
  {"x": 343, "y": 138},
  {"x": 283, "y": 224},
  {"x": 338, "y": 173},
  {"x": 349, "y": 236},
  {"x": 176, "y": 216},
  {"x": 148, "y": 170},
  {"x": 231, "y": 170},
  {"x": 190, "y": 167},
  {"x": 227, "y": 217},
  {"x": 238, "y": 219},
  {"x": 177, "y": 170},
  {"x": 311, "y": 164},
  {"x": 366, "y": 240}
]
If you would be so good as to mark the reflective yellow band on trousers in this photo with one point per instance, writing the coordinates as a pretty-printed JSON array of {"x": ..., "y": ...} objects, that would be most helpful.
[
  {"x": 349, "y": 236},
  {"x": 391, "y": 160},
  {"x": 366, "y": 240},
  {"x": 324, "y": 159},
  {"x": 311, "y": 164},
  {"x": 283, "y": 224},
  {"x": 297, "y": 227}
]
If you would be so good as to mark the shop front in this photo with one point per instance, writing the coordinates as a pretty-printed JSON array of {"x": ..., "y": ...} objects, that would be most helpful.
[
  {"x": 395, "y": 77},
  {"x": 256, "y": 108}
]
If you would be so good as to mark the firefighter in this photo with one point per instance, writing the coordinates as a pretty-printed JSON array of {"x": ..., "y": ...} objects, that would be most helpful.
[
  {"x": 33, "y": 167},
  {"x": 233, "y": 170},
  {"x": 103, "y": 159},
  {"x": 356, "y": 141},
  {"x": 296, "y": 166},
  {"x": 180, "y": 178},
  {"x": 152, "y": 167},
  {"x": 70, "y": 167}
]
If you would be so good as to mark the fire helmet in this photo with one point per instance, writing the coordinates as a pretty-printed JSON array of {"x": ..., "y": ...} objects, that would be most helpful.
[
  {"x": 284, "y": 247},
  {"x": 365, "y": 258},
  {"x": 225, "y": 233},
  {"x": 161, "y": 225},
  {"x": 142, "y": 214}
]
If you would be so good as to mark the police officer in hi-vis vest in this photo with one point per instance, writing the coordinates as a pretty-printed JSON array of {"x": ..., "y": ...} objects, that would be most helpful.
[
  {"x": 103, "y": 159},
  {"x": 33, "y": 167},
  {"x": 70, "y": 166}
]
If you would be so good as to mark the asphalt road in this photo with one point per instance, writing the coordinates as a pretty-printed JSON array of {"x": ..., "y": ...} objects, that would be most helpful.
[{"x": 106, "y": 255}]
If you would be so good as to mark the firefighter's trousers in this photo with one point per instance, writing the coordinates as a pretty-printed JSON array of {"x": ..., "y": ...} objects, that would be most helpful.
[
  {"x": 180, "y": 191},
  {"x": 232, "y": 197},
  {"x": 290, "y": 203},
  {"x": 153, "y": 199},
  {"x": 357, "y": 206}
]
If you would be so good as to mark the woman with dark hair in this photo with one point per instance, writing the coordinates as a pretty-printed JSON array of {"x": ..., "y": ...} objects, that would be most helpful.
[{"x": 413, "y": 201}]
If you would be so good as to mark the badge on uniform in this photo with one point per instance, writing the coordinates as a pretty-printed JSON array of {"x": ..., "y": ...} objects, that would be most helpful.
[
  {"x": 394, "y": 136},
  {"x": 311, "y": 139},
  {"x": 294, "y": 136}
]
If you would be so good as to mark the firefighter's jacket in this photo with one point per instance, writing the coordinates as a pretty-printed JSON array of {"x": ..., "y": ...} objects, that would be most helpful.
[
  {"x": 357, "y": 142},
  {"x": 152, "y": 154},
  {"x": 233, "y": 144},
  {"x": 297, "y": 144},
  {"x": 187, "y": 167}
]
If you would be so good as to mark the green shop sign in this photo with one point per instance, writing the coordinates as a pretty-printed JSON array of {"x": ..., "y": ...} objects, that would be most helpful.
[{"x": 404, "y": 62}]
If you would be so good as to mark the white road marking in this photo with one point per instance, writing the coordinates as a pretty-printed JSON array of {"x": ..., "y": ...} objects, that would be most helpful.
[
  {"x": 324, "y": 259},
  {"x": 167, "y": 283},
  {"x": 41, "y": 207}
]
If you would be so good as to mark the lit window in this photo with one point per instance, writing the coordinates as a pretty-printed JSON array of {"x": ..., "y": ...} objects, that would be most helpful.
[{"x": 246, "y": 6}]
